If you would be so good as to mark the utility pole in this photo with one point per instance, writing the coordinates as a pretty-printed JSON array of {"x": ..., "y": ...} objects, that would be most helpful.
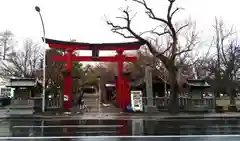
[{"x": 44, "y": 60}]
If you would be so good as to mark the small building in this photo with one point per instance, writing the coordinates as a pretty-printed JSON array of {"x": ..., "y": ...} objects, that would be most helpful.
[
  {"x": 196, "y": 87},
  {"x": 26, "y": 90},
  {"x": 198, "y": 99}
]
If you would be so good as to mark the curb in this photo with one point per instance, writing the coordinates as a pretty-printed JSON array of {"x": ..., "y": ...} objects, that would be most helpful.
[
  {"x": 136, "y": 117},
  {"x": 21, "y": 117},
  {"x": 119, "y": 116}
]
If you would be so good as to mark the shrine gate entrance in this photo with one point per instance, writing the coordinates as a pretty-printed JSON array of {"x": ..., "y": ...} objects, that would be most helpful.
[{"x": 123, "y": 86}]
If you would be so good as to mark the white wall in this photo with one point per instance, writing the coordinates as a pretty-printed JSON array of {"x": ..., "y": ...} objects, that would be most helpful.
[{"x": 3, "y": 83}]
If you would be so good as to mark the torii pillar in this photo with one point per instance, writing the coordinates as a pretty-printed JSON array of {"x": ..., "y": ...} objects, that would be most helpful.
[{"x": 67, "y": 100}]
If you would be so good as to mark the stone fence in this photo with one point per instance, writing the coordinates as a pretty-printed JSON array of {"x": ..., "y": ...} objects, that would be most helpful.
[{"x": 185, "y": 103}]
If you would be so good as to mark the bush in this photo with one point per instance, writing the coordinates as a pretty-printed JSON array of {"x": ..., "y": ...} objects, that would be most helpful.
[
  {"x": 232, "y": 108},
  {"x": 219, "y": 109}
]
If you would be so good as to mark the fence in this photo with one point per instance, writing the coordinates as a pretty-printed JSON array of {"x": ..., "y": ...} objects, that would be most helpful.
[
  {"x": 21, "y": 107},
  {"x": 54, "y": 103},
  {"x": 22, "y": 102},
  {"x": 184, "y": 102}
]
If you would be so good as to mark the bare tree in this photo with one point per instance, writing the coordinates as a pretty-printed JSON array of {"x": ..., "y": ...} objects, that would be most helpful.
[
  {"x": 24, "y": 62},
  {"x": 6, "y": 43},
  {"x": 223, "y": 64},
  {"x": 226, "y": 51},
  {"x": 173, "y": 48}
]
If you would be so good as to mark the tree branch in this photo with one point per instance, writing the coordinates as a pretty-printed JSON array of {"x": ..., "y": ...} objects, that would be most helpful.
[
  {"x": 150, "y": 12},
  {"x": 182, "y": 27}
]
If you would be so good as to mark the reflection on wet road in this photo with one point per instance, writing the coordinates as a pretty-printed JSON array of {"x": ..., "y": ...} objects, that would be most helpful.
[
  {"x": 77, "y": 128},
  {"x": 145, "y": 138}
]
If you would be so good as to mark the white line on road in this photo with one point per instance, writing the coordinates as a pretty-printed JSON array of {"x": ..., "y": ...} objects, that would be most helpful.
[
  {"x": 97, "y": 137},
  {"x": 72, "y": 126}
]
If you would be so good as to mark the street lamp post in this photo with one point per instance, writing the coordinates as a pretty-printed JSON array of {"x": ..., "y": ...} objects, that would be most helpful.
[
  {"x": 165, "y": 83},
  {"x": 44, "y": 59}
]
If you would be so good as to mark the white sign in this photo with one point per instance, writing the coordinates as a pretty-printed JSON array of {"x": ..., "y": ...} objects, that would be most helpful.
[
  {"x": 136, "y": 101},
  {"x": 65, "y": 98}
]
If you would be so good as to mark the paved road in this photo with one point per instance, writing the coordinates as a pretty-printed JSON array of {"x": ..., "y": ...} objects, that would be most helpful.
[
  {"x": 214, "y": 138},
  {"x": 199, "y": 130}
]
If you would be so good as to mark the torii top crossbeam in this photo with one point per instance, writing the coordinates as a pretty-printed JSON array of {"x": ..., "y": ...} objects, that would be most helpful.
[{"x": 88, "y": 46}]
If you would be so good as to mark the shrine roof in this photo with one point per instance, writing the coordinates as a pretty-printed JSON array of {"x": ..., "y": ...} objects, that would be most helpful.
[
  {"x": 197, "y": 83},
  {"x": 87, "y": 46},
  {"x": 22, "y": 82},
  {"x": 155, "y": 80}
]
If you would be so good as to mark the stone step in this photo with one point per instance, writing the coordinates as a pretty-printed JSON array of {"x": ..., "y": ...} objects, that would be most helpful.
[
  {"x": 90, "y": 95},
  {"x": 92, "y": 103},
  {"x": 20, "y": 107},
  {"x": 90, "y": 99},
  {"x": 96, "y": 101},
  {"x": 20, "y": 112}
]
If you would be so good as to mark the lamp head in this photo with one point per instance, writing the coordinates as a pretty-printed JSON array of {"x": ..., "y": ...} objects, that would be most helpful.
[{"x": 37, "y": 8}]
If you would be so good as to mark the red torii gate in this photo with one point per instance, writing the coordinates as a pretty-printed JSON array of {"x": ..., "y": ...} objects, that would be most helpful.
[{"x": 123, "y": 95}]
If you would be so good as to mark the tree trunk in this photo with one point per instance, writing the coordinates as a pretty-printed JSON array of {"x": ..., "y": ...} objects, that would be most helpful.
[
  {"x": 231, "y": 95},
  {"x": 232, "y": 99},
  {"x": 173, "y": 103}
]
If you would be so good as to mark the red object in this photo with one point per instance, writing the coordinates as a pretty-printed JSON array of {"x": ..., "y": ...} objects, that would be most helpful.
[
  {"x": 123, "y": 96},
  {"x": 127, "y": 97},
  {"x": 124, "y": 129},
  {"x": 87, "y": 46},
  {"x": 67, "y": 102},
  {"x": 120, "y": 91}
]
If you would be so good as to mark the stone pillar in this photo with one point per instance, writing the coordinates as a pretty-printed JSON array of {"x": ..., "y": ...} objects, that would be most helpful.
[
  {"x": 150, "y": 107},
  {"x": 148, "y": 81}
]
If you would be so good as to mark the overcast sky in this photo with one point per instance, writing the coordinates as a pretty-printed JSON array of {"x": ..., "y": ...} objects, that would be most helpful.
[{"x": 83, "y": 20}]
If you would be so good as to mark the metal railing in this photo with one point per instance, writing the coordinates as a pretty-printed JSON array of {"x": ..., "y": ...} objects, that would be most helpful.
[{"x": 53, "y": 103}]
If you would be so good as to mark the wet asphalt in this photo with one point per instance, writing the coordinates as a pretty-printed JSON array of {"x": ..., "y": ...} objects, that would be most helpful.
[{"x": 74, "y": 130}]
